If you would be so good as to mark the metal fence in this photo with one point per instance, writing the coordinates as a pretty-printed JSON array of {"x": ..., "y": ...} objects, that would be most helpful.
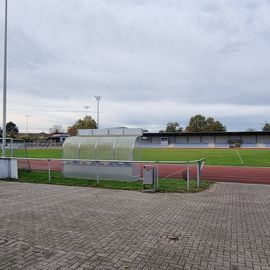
[
  {"x": 163, "y": 169},
  {"x": 12, "y": 144}
]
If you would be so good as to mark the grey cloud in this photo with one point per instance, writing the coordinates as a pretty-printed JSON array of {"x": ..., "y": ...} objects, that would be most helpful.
[{"x": 210, "y": 52}]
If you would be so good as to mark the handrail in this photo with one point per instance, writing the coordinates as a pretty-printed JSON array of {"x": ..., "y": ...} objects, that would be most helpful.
[{"x": 108, "y": 160}]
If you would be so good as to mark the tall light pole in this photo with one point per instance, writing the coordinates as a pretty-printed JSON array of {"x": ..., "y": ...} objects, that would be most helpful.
[
  {"x": 98, "y": 98},
  {"x": 27, "y": 117},
  {"x": 4, "y": 134},
  {"x": 86, "y": 108}
]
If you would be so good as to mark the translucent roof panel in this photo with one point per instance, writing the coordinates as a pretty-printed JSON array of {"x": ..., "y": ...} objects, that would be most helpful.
[
  {"x": 100, "y": 147},
  {"x": 87, "y": 148},
  {"x": 137, "y": 152},
  {"x": 111, "y": 132},
  {"x": 70, "y": 148},
  {"x": 104, "y": 148},
  {"x": 124, "y": 147}
]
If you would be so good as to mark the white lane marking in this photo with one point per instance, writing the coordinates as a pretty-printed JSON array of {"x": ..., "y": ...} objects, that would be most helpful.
[{"x": 241, "y": 160}]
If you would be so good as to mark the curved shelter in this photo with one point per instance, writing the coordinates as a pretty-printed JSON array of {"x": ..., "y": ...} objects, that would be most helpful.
[
  {"x": 105, "y": 152},
  {"x": 100, "y": 148}
]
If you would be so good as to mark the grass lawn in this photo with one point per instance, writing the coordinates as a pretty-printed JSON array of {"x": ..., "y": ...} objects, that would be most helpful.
[
  {"x": 165, "y": 185},
  {"x": 226, "y": 157}
]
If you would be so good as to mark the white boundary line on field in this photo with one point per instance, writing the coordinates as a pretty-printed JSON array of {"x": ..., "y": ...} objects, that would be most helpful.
[{"x": 241, "y": 160}]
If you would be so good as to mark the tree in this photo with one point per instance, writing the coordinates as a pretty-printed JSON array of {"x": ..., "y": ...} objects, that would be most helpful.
[
  {"x": 251, "y": 129},
  {"x": 86, "y": 122},
  {"x": 197, "y": 123},
  {"x": 173, "y": 127},
  {"x": 200, "y": 123},
  {"x": 72, "y": 131},
  {"x": 11, "y": 129},
  {"x": 266, "y": 127},
  {"x": 213, "y": 125},
  {"x": 56, "y": 129}
]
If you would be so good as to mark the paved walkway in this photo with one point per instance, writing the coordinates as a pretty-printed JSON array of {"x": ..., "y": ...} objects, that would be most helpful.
[{"x": 57, "y": 227}]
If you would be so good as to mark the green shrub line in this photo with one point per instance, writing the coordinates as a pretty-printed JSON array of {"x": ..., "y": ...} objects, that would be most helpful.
[{"x": 165, "y": 185}]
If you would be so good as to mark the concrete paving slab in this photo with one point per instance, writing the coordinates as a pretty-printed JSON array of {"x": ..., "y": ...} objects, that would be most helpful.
[{"x": 60, "y": 227}]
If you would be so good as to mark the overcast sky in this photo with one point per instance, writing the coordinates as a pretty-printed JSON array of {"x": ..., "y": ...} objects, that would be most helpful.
[{"x": 152, "y": 61}]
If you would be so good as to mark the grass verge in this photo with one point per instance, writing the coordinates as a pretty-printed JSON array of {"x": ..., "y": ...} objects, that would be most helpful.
[{"x": 165, "y": 185}]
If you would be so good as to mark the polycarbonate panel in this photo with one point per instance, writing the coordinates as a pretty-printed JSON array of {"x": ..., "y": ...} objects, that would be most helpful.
[
  {"x": 123, "y": 149},
  {"x": 111, "y": 132},
  {"x": 137, "y": 151},
  {"x": 70, "y": 148},
  {"x": 103, "y": 170},
  {"x": 104, "y": 149},
  {"x": 133, "y": 131},
  {"x": 85, "y": 132},
  {"x": 101, "y": 148},
  {"x": 100, "y": 132},
  {"x": 118, "y": 171},
  {"x": 116, "y": 131},
  {"x": 87, "y": 147}
]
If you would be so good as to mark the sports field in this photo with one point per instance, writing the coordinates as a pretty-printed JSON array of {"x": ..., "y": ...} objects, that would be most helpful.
[{"x": 226, "y": 157}]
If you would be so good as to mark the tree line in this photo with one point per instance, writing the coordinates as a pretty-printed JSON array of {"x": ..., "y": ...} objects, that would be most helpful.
[{"x": 199, "y": 123}]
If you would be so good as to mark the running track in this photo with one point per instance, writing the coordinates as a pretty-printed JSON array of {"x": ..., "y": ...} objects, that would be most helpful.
[{"x": 254, "y": 175}]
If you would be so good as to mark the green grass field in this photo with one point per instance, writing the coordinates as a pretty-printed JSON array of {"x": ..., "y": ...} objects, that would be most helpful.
[{"x": 226, "y": 157}]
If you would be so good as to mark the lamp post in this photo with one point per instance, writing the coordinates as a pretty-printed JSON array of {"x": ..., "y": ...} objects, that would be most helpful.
[
  {"x": 86, "y": 108},
  {"x": 27, "y": 117},
  {"x": 98, "y": 98},
  {"x": 4, "y": 134}
]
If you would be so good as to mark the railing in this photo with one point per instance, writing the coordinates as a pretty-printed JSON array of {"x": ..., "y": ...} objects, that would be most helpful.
[
  {"x": 12, "y": 144},
  {"x": 164, "y": 169},
  {"x": 199, "y": 167}
]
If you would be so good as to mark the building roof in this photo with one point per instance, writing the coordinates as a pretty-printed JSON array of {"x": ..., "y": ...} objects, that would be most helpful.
[{"x": 223, "y": 133}]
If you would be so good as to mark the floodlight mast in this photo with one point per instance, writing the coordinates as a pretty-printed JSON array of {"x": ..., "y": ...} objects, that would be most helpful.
[
  {"x": 98, "y": 98},
  {"x": 86, "y": 108},
  {"x": 4, "y": 133},
  {"x": 27, "y": 118}
]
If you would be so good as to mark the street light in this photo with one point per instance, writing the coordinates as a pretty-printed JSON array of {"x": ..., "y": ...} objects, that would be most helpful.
[
  {"x": 4, "y": 134},
  {"x": 86, "y": 108},
  {"x": 98, "y": 98},
  {"x": 27, "y": 117}
]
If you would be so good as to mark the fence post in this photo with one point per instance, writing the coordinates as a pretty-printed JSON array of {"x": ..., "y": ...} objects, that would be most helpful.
[
  {"x": 97, "y": 172},
  {"x": 187, "y": 177},
  {"x": 49, "y": 170},
  {"x": 198, "y": 173},
  {"x": 157, "y": 176},
  {"x": 11, "y": 148}
]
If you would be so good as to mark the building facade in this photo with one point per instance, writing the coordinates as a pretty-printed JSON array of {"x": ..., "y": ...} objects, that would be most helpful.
[{"x": 256, "y": 139}]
